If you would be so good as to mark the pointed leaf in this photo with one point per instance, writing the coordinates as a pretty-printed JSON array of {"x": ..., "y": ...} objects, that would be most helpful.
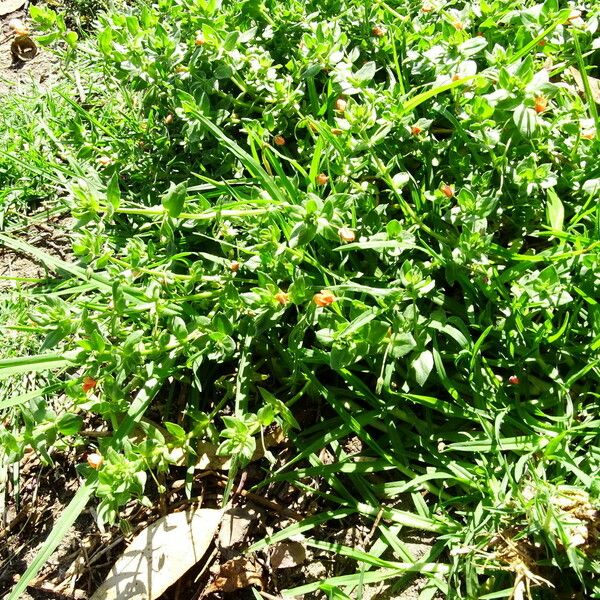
[
  {"x": 174, "y": 199},
  {"x": 423, "y": 365}
]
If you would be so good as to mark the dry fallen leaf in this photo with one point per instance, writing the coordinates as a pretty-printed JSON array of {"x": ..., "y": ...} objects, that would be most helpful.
[
  {"x": 286, "y": 555},
  {"x": 594, "y": 84},
  {"x": 160, "y": 555},
  {"x": 235, "y": 575},
  {"x": 235, "y": 525},
  {"x": 9, "y": 6}
]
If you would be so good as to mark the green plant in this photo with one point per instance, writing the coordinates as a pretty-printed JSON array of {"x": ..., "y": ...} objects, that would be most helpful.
[{"x": 420, "y": 257}]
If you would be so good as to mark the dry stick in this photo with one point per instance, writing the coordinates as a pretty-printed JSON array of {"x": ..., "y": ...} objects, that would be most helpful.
[
  {"x": 200, "y": 592},
  {"x": 282, "y": 510},
  {"x": 21, "y": 515},
  {"x": 92, "y": 433}
]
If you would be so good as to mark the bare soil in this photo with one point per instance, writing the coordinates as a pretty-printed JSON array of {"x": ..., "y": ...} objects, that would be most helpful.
[{"x": 51, "y": 235}]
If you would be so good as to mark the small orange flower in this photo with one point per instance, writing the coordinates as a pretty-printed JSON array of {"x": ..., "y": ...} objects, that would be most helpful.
[
  {"x": 234, "y": 266},
  {"x": 324, "y": 298},
  {"x": 588, "y": 135},
  {"x": 447, "y": 190},
  {"x": 415, "y": 130},
  {"x": 458, "y": 25},
  {"x": 322, "y": 179},
  {"x": 95, "y": 460},
  {"x": 279, "y": 140},
  {"x": 455, "y": 77},
  {"x": 378, "y": 31},
  {"x": 199, "y": 41},
  {"x": 89, "y": 383},
  {"x": 540, "y": 104},
  {"x": 346, "y": 234},
  {"x": 514, "y": 380},
  {"x": 340, "y": 105},
  {"x": 282, "y": 298}
]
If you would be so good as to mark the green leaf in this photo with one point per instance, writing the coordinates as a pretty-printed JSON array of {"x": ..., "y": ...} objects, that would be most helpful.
[
  {"x": 341, "y": 356},
  {"x": 113, "y": 192},
  {"x": 473, "y": 46},
  {"x": 177, "y": 431},
  {"x": 60, "y": 529},
  {"x": 69, "y": 424},
  {"x": 174, "y": 199},
  {"x": 422, "y": 366},
  {"x": 555, "y": 211},
  {"x": 366, "y": 72},
  {"x": 32, "y": 364},
  {"x": 526, "y": 120}
]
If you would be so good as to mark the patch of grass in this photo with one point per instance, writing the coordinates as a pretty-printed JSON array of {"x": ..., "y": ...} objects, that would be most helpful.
[{"x": 384, "y": 211}]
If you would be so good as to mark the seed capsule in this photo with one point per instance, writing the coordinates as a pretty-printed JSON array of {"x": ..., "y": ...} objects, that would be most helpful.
[
  {"x": 340, "y": 105},
  {"x": 346, "y": 234},
  {"x": 95, "y": 460},
  {"x": 279, "y": 140},
  {"x": 322, "y": 179},
  {"x": 447, "y": 190},
  {"x": 282, "y": 298}
]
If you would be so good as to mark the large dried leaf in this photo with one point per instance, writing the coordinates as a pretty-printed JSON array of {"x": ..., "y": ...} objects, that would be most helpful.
[
  {"x": 160, "y": 555},
  {"x": 594, "y": 84},
  {"x": 236, "y": 524},
  {"x": 9, "y": 6}
]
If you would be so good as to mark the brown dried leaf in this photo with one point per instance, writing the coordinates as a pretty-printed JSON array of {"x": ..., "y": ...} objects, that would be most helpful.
[
  {"x": 236, "y": 574},
  {"x": 594, "y": 84}
]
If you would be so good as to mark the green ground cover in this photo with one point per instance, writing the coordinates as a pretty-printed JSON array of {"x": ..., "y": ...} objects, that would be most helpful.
[{"x": 388, "y": 211}]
